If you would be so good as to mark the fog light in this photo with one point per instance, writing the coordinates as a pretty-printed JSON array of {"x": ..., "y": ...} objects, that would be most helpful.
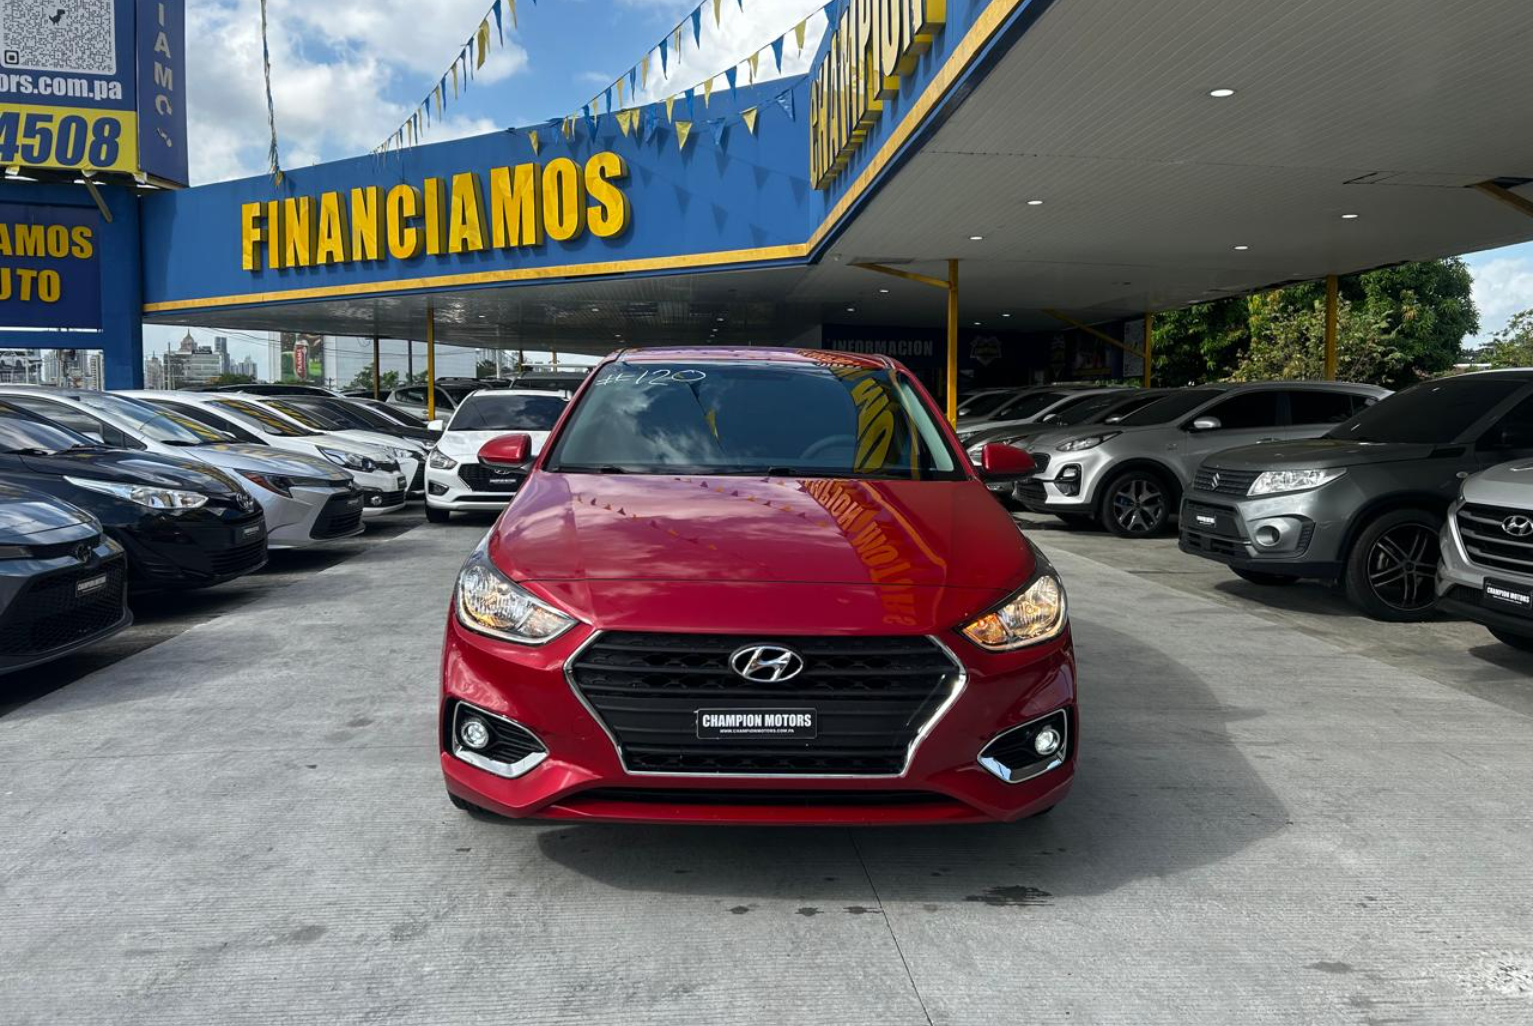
[
  {"x": 1047, "y": 742},
  {"x": 375, "y": 500},
  {"x": 1267, "y": 536},
  {"x": 475, "y": 733}
]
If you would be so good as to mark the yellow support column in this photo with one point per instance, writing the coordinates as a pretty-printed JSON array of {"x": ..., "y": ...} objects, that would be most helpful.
[
  {"x": 1331, "y": 302},
  {"x": 1149, "y": 346},
  {"x": 377, "y": 371},
  {"x": 952, "y": 342},
  {"x": 430, "y": 361}
]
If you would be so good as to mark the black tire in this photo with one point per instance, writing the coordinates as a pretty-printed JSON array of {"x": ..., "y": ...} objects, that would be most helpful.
[
  {"x": 461, "y": 805},
  {"x": 1077, "y": 522},
  {"x": 438, "y": 516},
  {"x": 1137, "y": 504},
  {"x": 1521, "y": 642},
  {"x": 1264, "y": 578},
  {"x": 1392, "y": 568}
]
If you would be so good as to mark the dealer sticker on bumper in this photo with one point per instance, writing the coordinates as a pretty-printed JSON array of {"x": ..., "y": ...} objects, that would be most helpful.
[
  {"x": 89, "y": 585},
  {"x": 791, "y": 724}
]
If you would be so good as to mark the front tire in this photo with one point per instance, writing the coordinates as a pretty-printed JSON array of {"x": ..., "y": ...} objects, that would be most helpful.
[
  {"x": 1137, "y": 504},
  {"x": 1263, "y": 578},
  {"x": 437, "y": 516},
  {"x": 1392, "y": 568},
  {"x": 1521, "y": 642}
]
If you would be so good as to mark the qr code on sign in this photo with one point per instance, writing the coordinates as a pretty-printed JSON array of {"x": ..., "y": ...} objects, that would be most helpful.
[{"x": 78, "y": 36}]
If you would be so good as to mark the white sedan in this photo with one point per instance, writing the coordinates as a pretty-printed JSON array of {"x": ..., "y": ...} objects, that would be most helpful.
[{"x": 455, "y": 479}]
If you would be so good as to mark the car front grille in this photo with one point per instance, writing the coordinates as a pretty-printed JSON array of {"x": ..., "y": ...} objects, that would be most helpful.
[
  {"x": 871, "y": 697},
  {"x": 238, "y": 559},
  {"x": 1488, "y": 542},
  {"x": 1223, "y": 482},
  {"x": 339, "y": 516},
  {"x": 385, "y": 499},
  {"x": 51, "y": 614},
  {"x": 478, "y": 476},
  {"x": 1041, "y": 460}
]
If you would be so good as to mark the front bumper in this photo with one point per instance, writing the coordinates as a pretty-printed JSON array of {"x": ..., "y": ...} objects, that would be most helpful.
[
  {"x": 1066, "y": 482},
  {"x": 1274, "y": 535},
  {"x": 310, "y": 516},
  {"x": 192, "y": 549},
  {"x": 584, "y": 776},
  {"x": 51, "y": 607},
  {"x": 1461, "y": 582},
  {"x": 471, "y": 486}
]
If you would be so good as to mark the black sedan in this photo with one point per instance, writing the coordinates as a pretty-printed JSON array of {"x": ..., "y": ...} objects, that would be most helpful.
[
  {"x": 183, "y": 524},
  {"x": 63, "y": 582}
]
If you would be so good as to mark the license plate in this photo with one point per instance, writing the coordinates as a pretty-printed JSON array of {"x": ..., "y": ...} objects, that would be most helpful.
[
  {"x": 789, "y": 724},
  {"x": 1212, "y": 522},
  {"x": 253, "y": 531},
  {"x": 399, "y": 482},
  {"x": 90, "y": 585},
  {"x": 1516, "y": 598},
  {"x": 508, "y": 483}
]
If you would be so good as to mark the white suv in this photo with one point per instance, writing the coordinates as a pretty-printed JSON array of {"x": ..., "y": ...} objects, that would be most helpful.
[{"x": 455, "y": 479}]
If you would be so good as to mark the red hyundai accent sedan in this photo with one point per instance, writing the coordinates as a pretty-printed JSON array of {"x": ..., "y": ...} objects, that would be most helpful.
[{"x": 756, "y": 586}]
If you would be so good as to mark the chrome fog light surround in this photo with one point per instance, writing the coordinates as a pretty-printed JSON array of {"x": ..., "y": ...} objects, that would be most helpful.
[
  {"x": 995, "y": 756},
  {"x": 520, "y": 749}
]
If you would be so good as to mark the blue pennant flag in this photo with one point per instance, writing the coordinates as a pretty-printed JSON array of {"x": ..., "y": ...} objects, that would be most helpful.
[
  {"x": 691, "y": 113},
  {"x": 590, "y": 121},
  {"x": 499, "y": 29},
  {"x": 665, "y": 46},
  {"x": 633, "y": 82},
  {"x": 733, "y": 74},
  {"x": 777, "y": 51},
  {"x": 785, "y": 101},
  {"x": 697, "y": 25},
  {"x": 717, "y": 128},
  {"x": 609, "y": 99}
]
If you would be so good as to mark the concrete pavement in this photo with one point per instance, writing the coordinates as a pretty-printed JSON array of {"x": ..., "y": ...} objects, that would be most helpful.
[{"x": 245, "y": 824}]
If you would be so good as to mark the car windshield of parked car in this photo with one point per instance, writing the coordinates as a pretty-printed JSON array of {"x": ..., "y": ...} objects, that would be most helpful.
[
  {"x": 269, "y": 422},
  {"x": 154, "y": 423},
  {"x": 1082, "y": 410},
  {"x": 1170, "y": 408},
  {"x": 825, "y": 418},
  {"x": 980, "y": 405},
  {"x": 22, "y": 432},
  {"x": 404, "y": 418},
  {"x": 501, "y": 412},
  {"x": 342, "y": 412},
  {"x": 314, "y": 420},
  {"x": 1025, "y": 406},
  {"x": 1431, "y": 412}
]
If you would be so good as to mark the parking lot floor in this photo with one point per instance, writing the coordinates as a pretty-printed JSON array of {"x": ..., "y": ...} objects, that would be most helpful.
[{"x": 245, "y": 823}]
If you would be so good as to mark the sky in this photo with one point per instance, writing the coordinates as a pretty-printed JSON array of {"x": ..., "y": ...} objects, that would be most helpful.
[{"x": 347, "y": 73}]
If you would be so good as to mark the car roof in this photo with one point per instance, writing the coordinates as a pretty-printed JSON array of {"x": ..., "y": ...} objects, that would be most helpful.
[
  {"x": 496, "y": 393},
  {"x": 750, "y": 354}
]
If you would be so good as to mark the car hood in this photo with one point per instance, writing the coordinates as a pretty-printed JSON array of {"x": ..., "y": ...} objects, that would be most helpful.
[
  {"x": 32, "y": 518},
  {"x": 1317, "y": 453},
  {"x": 1512, "y": 482},
  {"x": 380, "y": 440},
  {"x": 262, "y": 459},
  {"x": 712, "y": 530},
  {"x": 132, "y": 468},
  {"x": 466, "y": 443}
]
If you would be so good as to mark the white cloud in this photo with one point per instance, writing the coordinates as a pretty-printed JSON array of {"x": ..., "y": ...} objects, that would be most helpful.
[{"x": 1503, "y": 287}]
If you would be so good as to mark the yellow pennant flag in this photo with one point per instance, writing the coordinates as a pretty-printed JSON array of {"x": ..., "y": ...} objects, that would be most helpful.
[
  {"x": 532, "y": 137},
  {"x": 438, "y": 92},
  {"x": 670, "y": 105},
  {"x": 484, "y": 43},
  {"x": 749, "y": 116},
  {"x": 644, "y": 72},
  {"x": 569, "y": 126},
  {"x": 454, "y": 80},
  {"x": 513, "y": 12},
  {"x": 620, "y": 92},
  {"x": 798, "y": 32},
  {"x": 683, "y": 129},
  {"x": 716, "y": 4},
  {"x": 707, "y": 92},
  {"x": 625, "y": 121},
  {"x": 755, "y": 61},
  {"x": 676, "y": 46}
]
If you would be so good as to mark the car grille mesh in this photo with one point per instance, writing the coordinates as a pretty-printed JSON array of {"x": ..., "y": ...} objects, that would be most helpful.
[
  {"x": 1487, "y": 541},
  {"x": 477, "y": 476},
  {"x": 49, "y": 614},
  {"x": 871, "y": 696},
  {"x": 1223, "y": 482},
  {"x": 340, "y": 516}
]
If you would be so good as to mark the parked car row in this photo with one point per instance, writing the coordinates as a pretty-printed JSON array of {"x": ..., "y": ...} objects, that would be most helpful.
[{"x": 1411, "y": 503}]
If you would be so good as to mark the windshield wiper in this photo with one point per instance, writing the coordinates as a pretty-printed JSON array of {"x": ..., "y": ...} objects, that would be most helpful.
[{"x": 32, "y": 451}]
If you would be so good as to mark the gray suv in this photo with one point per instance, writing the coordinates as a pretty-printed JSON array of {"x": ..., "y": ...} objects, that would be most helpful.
[
  {"x": 1365, "y": 504},
  {"x": 1129, "y": 476},
  {"x": 1486, "y": 572}
]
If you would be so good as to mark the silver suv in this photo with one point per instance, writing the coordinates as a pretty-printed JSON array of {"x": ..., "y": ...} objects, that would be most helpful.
[
  {"x": 1130, "y": 476},
  {"x": 1486, "y": 568}
]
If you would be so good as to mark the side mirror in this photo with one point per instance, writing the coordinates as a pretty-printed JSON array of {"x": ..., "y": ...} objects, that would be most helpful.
[
  {"x": 999, "y": 462},
  {"x": 507, "y": 451},
  {"x": 1207, "y": 424},
  {"x": 439, "y": 425}
]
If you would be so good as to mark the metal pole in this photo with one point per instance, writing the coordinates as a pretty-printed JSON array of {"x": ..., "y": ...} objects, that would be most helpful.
[
  {"x": 430, "y": 361},
  {"x": 1331, "y": 303},
  {"x": 377, "y": 371},
  {"x": 409, "y": 361},
  {"x": 1149, "y": 345},
  {"x": 952, "y": 342}
]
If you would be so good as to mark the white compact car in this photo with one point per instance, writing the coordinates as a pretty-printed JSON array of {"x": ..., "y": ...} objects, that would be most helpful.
[
  {"x": 410, "y": 453},
  {"x": 305, "y": 500},
  {"x": 374, "y": 470},
  {"x": 455, "y": 479}
]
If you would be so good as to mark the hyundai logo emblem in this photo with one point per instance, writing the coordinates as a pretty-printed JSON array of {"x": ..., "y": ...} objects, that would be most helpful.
[
  {"x": 1518, "y": 525},
  {"x": 767, "y": 664}
]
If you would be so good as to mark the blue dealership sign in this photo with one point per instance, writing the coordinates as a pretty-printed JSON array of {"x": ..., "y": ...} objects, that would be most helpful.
[{"x": 50, "y": 266}]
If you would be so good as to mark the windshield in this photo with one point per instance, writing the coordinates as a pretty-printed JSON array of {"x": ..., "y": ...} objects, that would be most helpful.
[
  {"x": 508, "y": 413},
  {"x": 1170, "y": 408},
  {"x": 1024, "y": 406},
  {"x": 21, "y": 432},
  {"x": 315, "y": 420},
  {"x": 827, "y": 418},
  {"x": 404, "y": 418},
  {"x": 154, "y": 423},
  {"x": 979, "y": 405},
  {"x": 1082, "y": 410},
  {"x": 1433, "y": 411},
  {"x": 269, "y": 422}
]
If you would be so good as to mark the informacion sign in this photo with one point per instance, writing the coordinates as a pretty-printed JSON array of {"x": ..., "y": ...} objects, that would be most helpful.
[
  {"x": 50, "y": 266},
  {"x": 94, "y": 85}
]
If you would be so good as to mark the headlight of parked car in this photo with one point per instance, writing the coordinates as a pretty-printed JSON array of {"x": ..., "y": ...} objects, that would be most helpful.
[
  {"x": 1089, "y": 442},
  {"x": 441, "y": 461},
  {"x": 1273, "y": 482},
  {"x": 1036, "y": 613},
  {"x": 491, "y": 603},
  {"x": 401, "y": 454},
  {"x": 144, "y": 495},
  {"x": 349, "y": 460}
]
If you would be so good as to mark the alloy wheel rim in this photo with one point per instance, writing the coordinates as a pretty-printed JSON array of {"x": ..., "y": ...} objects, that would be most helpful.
[
  {"x": 1402, "y": 567},
  {"x": 1139, "y": 506}
]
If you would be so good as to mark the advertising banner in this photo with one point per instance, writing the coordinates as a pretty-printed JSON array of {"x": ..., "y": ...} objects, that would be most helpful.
[
  {"x": 50, "y": 266},
  {"x": 94, "y": 85}
]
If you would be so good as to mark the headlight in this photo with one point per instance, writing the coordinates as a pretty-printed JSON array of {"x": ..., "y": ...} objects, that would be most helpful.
[
  {"x": 15, "y": 552},
  {"x": 349, "y": 460},
  {"x": 402, "y": 454},
  {"x": 976, "y": 454},
  {"x": 1037, "y": 613},
  {"x": 1273, "y": 482},
  {"x": 144, "y": 495},
  {"x": 440, "y": 461},
  {"x": 490, "y": 603},
  {"x": 1089, "y": 442}
]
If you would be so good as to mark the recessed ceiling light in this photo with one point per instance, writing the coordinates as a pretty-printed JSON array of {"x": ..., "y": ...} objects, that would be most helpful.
[
  {"x": 719, "y": 319},
  {"x": 884, "y": 291},
  {"x": 851, "y": 309},
  {"x": 1005, "y": 315},
  {"x": 976, "y": 238},
  {"x": 1220, "y": 94},
  {"x": 1241, "y": 249},
  {"x": 976, "y": 324},
  {"x": 1350, "y": 217},
  {"x": 1035, "y": 203}
]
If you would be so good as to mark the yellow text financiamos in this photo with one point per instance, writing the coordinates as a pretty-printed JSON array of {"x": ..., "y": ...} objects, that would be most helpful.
[{"x": 511, "y": 207}]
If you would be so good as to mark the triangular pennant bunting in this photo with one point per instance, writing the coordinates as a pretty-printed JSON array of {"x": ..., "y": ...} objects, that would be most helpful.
[
  {"x": 716, "y": 5},
  {"x": 644, "y": 71},
  {"x": 683, "y": 130},
  {"x": 670, "y": 106},
  {"x": 777, "y": 51},
  {"x": 532, "y": 137},
  {"x": 697, "y": 27},
  {"x": 707, "y": 92},
  {"x": 484, "y": 40},
  {"x": 785, "y": 101},
  {"x": 665, "y": 68},
  {"x": 748, "y": 115},
  {"x": 732, "y": 76},
  {"x": 798, "y": 32}
]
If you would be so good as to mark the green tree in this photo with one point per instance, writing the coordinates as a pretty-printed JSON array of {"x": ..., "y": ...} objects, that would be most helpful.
[
  {"x": 1512, "y": 346},
  {"x": 1289, "y": 345},
  {"x": 231, "y": 379},
  {"x": 1202, "y": 342},
  {"x": 387, "y": 382}
]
